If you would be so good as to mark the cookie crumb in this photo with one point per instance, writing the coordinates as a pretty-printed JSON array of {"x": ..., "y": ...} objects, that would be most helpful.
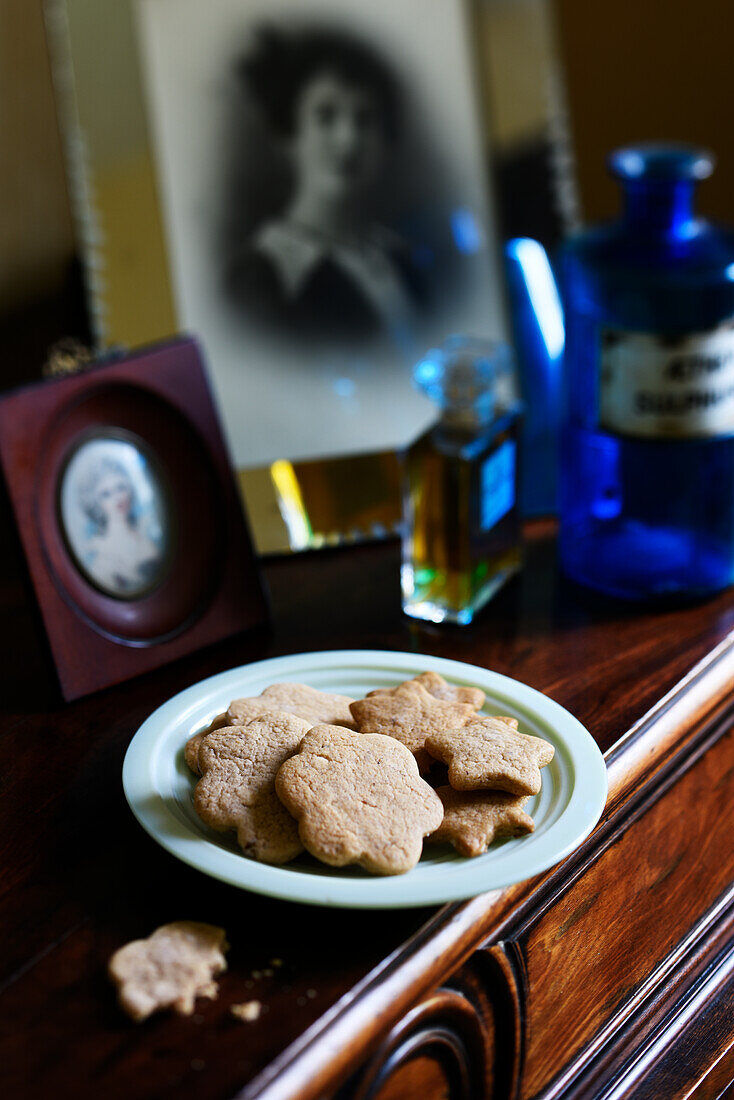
[{"x": 247, "y": 1011}]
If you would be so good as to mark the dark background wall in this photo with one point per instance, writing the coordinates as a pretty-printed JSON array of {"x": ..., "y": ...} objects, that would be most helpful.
[{"x": 639, "y": 69}]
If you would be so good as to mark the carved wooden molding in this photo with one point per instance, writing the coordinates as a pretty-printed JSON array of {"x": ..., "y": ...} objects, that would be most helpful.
[
  {"x": 474, "y": 1027},
  {"x": 637, "y": 754},
  {"x": 379, "y": 1019},
  {"x": 446, "y": 1026},
  {"x": 651, "y": 1024}
]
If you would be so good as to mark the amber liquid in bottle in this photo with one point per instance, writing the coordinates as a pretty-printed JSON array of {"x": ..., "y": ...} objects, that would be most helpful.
[{"x": 462, "y": 538}]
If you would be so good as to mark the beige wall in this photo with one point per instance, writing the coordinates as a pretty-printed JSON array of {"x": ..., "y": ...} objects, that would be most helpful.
[
  {"x": 35, "y": 227},
  {"x": 634, "y": 68}
]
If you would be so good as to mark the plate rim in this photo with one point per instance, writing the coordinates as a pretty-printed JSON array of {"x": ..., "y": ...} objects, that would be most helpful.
[{"x": 332, "y": 890}]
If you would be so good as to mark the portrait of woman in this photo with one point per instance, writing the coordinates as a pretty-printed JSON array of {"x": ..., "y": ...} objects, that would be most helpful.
[
  {"x": 113, "y": 516},
  {"x": 324, "y": 264},
  {"x": 322, "y": 169}
]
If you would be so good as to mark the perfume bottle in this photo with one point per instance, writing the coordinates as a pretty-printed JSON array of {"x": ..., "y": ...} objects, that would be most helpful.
[
  {"x": 647, "y": 460},
  {"x": 462, "y": 528}
]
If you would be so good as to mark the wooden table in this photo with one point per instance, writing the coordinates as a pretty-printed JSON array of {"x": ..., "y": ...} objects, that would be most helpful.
[{"x": 610, "y": 975}]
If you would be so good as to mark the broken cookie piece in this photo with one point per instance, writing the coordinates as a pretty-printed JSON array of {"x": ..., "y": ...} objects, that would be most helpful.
[
  {"x": 170, "y": 969},
  {"x": 248, "y": 1011}
]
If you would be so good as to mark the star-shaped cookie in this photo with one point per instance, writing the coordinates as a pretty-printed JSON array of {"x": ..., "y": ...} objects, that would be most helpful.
[
  {"x": 439, "y": 688},
  {"x": 490, "y": 754},
  {"x": 409, "y": 713},
  {"x": 473, "y": 819},
  {"x": 237, "y": 787},
  {"x": 358, "y": 799}
]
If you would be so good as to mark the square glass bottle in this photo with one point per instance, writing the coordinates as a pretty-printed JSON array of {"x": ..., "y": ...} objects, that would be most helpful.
[{"x": 462, "y": 537}]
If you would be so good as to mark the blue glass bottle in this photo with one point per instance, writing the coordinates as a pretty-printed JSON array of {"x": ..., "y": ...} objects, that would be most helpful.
[{"x": 647, "y": 453}]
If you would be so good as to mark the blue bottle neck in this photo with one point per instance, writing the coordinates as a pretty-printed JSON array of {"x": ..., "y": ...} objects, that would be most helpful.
[{"x": 660, "y": 208}]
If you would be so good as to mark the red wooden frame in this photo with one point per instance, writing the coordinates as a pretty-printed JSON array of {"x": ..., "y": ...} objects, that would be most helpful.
[{"x": 212, "y": 587}]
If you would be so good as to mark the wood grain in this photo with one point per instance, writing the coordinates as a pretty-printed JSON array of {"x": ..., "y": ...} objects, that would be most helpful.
[
  {"x": 665, "y": 871},
  {"x": 80, "y": 878}
]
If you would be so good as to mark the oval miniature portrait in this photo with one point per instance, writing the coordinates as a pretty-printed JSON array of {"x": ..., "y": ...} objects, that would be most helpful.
[{"x": 114, "y": 515}]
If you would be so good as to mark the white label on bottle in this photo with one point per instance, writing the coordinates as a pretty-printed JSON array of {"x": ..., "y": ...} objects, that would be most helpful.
[
  {"x": 498, "y": 485},
  {"x": 667, "y": 387}
]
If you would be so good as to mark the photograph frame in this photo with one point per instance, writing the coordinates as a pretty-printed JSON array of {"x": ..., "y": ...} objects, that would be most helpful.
[
  {"x": 292, "y": 502},
  {"x": 159, "y": 397},
  {"x": 119, "y": 435}
]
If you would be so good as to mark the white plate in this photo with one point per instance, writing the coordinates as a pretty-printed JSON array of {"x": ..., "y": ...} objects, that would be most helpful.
[{"x": 159, "y": 786}]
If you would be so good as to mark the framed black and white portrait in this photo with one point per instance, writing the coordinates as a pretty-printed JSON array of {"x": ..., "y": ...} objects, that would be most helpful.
[
  {"x": 306, "y": 187},
  {"x": 326, "y": 206}
]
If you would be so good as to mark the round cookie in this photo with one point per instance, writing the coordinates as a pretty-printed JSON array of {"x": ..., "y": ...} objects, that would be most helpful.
[
  {"x": 358, "y": 799},
  {"x": 237, "y": 787}
]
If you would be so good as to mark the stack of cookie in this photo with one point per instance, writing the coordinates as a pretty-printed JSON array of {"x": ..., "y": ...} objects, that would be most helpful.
[{"x": 365, "y": 781}]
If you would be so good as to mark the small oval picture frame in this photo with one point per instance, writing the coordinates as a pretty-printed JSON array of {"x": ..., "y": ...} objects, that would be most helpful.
[
  {"x": 129, "y": 515},
  {"x": 115, "y": 514}
]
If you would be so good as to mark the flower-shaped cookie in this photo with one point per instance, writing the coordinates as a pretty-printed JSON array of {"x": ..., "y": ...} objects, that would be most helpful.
[
  {"x": 409, "y": 713},
  {"x": 191, "y": 751},
  {"x": 473, "y": 819},
  {"x": 489, "y": 753},
  {"x": 174, "y": 966},
  {"x": 359, "y": 799},
  {"x": 316, "y": 707},
  {"x": 237, "y": 787}
]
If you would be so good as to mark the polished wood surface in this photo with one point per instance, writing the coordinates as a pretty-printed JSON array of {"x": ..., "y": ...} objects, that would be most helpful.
[{"x": 553, "y": 987}]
